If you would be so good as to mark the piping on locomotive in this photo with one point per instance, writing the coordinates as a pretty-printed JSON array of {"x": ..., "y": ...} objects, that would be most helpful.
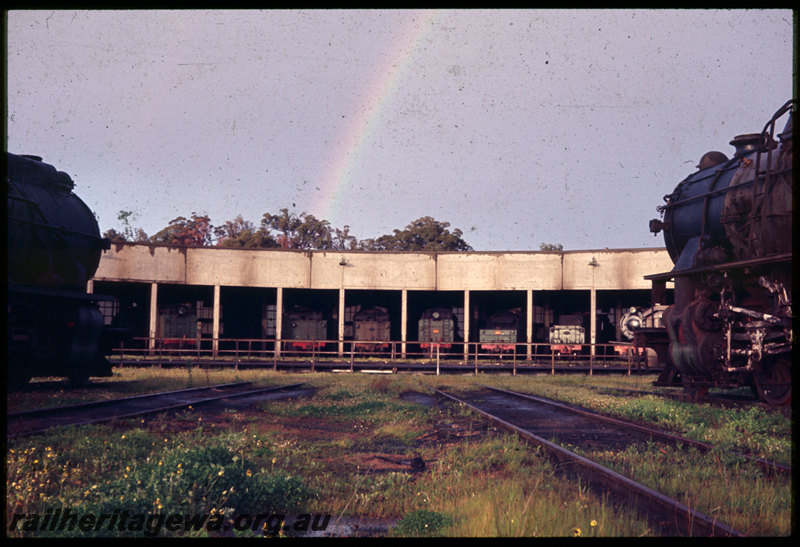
[
  {"x": 728, "y": 230},
  {"x": 55, "y": 328}
]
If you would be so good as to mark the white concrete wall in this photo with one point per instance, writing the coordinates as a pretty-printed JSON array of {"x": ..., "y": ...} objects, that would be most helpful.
[
  {"x": 622, "y": 269},
  {"x": 499, "y": 271}
]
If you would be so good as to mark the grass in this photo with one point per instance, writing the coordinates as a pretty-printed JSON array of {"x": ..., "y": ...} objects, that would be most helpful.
[{"x": 323, "y": 455}]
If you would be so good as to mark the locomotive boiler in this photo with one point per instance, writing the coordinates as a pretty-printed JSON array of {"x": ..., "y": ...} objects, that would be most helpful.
[
  {"x": 54, "y": 245},
  {"x": 728, "y": 230}
]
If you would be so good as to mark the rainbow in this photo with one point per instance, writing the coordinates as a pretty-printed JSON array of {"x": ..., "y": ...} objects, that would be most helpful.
[{"x": 339, "y": 169}]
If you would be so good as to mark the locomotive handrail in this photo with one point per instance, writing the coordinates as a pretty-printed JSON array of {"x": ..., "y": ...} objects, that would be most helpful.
[
  {"x": 671, "y": 204},
  {"x": 780, "y": 112},
  {"x": 722, "y": 266}
]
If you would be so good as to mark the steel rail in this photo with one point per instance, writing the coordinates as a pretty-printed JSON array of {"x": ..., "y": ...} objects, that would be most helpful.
[
  {"x": 91, "y": 404},
  {"x": 142, "y": 412},
  {"x": 683, "y": 518},
  {"x": 767, "y": 465}
]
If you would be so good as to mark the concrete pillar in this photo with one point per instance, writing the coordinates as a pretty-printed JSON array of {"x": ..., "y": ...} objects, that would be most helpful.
[
  {"x": 215, "y": 321},
  {"x": 529, "y": 324},
  {"x": 403, "y": 322},
  {"x": 278, "y": 321},
  {"x": 467, "y": 313},
  {"x": 341, "y": 322},
  {"x": 153, "y": 316},
  {"x": 593, "y": 309},
  {"x": 593, "y": 318}
]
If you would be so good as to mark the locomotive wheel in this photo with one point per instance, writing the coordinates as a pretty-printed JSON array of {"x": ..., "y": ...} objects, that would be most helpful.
[{"x": 774, "y": 385}]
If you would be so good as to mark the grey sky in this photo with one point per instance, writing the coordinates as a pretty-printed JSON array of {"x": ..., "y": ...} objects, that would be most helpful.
[{"x": 518, "y": 127}]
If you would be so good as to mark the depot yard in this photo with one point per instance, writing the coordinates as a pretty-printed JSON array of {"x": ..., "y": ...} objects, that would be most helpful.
[{"x": 348, "y": 451}]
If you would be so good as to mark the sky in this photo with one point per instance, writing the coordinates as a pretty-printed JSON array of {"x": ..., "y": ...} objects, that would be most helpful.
[{"x": 517, "y": 127}]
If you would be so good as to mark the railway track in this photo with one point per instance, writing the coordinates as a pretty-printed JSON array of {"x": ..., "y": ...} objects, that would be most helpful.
[
  {"x": 768, "y": 466},
  {"x": 536, "y": 420},
  {"x": 29, "y": 422}
]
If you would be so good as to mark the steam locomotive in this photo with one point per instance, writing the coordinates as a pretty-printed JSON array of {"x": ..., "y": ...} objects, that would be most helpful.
[
  {"x": 728, "y": 230},
  {"x": 54, "y": 327}
]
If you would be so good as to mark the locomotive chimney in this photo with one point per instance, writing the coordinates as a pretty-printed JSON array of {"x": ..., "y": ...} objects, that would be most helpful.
[{"x": 747, "y": 143}]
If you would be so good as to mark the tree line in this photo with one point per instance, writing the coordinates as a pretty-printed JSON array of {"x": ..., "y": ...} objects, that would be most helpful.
[
  {"x": 289, "y": 230},
  {"x": 295, "y": 231}
]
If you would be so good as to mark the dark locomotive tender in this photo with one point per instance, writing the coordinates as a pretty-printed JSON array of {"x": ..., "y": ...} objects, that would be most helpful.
[
  {"x": 728, "y": 230},
  {"x": 305, "y": 328},
  {"x": 54, "y": 245},
  {"x": 501, "y": 332},
  {"x": 567, "y": 339},
  {"x": 178, "y": 327},
  {"x": 436, "y": 329},
  {"x": 372, "y": 329}
]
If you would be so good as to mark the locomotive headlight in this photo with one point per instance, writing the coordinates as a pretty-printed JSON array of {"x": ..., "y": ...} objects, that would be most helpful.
[{"x": 633, "y": 323}]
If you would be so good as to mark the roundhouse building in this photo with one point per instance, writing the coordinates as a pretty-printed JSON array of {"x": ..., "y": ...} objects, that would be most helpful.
[{"x": 243, "y": 293}]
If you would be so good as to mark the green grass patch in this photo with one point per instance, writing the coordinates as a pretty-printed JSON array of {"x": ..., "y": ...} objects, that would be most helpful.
[{"x": 321, "y": 455}]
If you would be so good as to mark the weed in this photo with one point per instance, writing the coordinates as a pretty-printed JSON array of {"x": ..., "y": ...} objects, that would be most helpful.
[{"x": 422, "y": 522}]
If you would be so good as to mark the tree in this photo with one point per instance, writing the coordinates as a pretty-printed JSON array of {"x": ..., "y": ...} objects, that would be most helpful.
[
  {"x": 343, "y": 241},
  {"x": 551, "y": 247},
  {"x": 129, "y": 233},
  {"x": 423, "y": 234},
  {"x": 194, "y": 232},
  {"x": 298, "y": 232},
  {"x": 240, "y": 233}
]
